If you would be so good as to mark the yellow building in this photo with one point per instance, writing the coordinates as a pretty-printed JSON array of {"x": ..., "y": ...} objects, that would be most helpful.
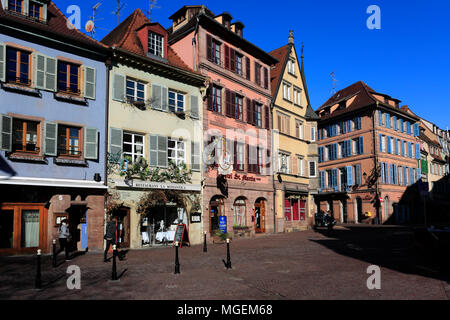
[
  {"x": 155, "y": 136},
  {"x": 295, "y": 150}
]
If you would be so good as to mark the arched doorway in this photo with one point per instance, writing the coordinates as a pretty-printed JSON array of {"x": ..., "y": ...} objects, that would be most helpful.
[
  {"x": 216, "y": 209},
  {"x": 260, "y": 216}
]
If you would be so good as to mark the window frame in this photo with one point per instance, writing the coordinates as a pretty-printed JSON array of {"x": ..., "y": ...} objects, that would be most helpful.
[
  {"x": 175, "y": 159},
  {"x": 68, "y": 138},
  {"x": 135, "y": 90},
  {"x": 68, "y": 77},
  {"x": 153, "y": 39},
  {"x": 177, "y": 95},
  {"x": 133, "y": 144},
  {"x": 18, "y": 66},
  {"x": 288, "y": 162},
  {"x": 24, "y": 134}
]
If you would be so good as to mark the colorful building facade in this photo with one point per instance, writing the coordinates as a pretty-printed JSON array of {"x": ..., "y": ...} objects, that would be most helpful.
[
  {"x": 53, "y": 110},
  {"x": 368, "y": 157},
  {"x": 155, "y": 140},
  {"x": 238, "y": 187},
  {"x": 295, "y": 142}
]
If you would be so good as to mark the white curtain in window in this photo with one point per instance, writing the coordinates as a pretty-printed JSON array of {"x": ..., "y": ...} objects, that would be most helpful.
[{"x": 30, "y": 228}]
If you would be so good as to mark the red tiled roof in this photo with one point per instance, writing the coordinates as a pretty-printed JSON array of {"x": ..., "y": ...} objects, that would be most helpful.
[
  {"x": 57, "y": 25},
  {"x": 125, "y": 37},
  {"x": 281, "y": 55}
]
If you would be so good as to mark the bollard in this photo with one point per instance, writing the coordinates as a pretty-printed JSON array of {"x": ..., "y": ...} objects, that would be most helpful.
[
  {"x": 114, "y": 268},
  {"x": 205, "y": 248},
  {"x": 54, "y": 254},
  {"x": 228, "y": 255},
  {"x": 38, "y": 282},
  {"x": 177, "y": 262}
]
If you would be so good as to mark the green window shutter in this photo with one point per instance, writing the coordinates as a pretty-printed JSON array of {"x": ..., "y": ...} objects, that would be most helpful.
[
  {"x": 194, "y": 107},
  {"x": 156, "y": 99},
  {"x": 50, "y": 139},
  {"x": 153, "y": 150},
  {"x": 115, "y": 144},
  {"x": 2, "y": 62},
  {"x": 39, "y": 70},
  {"x": 165, "y": 99},
  {"x": 50, "y": 74},
  {"x": 162, "y": 151},
  {"x": 5, "y": 4},
  {"x": 91, "y": 143},
  {"x": 90, "y": 75},
  {"x": 195, "y": 156},
  {"x": 6, "y": 133},
  {"x": 44, "y": 12},
  {"x": 119, "y": 84}
]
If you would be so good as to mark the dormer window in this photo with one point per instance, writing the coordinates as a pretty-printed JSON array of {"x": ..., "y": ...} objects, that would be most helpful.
[
  {"x": 35, "y": 11},
  {"x": 156, "y": 44},
  {"x": 15, "y": 6}
]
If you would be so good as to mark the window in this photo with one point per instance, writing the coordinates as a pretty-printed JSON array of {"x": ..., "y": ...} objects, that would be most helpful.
[
  {"x": 176, "y": 101},
  {"x": 287, "y": 91},
  {"x": 283, "y": 123},
  {"x": 35, "y": 10},
  {"x": 68, "y": 77},
  {"x": 156, "y": 44},
  {"x": 257, "y": 73},
  {"x": 238, "y": 64},
  {"x": 299, "y": 129},
  {"x": 135, "y": 91},
  {"x": 69, "y": 141},
  {"x": 238, "y": 108},
  {"x": 239, "y": 212},
  {"x": 258, "y": 115},
  {"x": 291, "y": 67},
  {"x": 312, "y": 169},
  {"x": 216, "y": 99},
  {"x": 18, "y": 66},
  {"x": 215, "y": 52},
  {"x": 297, "y": 96},
  {"x": 239, "y": 156},
  {"x": 26, "y": 136},
  {"x": 301, "y": 169},
  {"x": 284, "y": 163},
  {"x": 15, "y": 6},
  {"x": 176, "y": 152},
  {"x": 313, "y": 134},
  {"x": 133, "y": 145}
]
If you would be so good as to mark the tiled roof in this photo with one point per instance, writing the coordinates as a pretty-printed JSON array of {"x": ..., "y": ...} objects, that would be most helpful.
[
  {"x": 56, "y": 25},
  {"x": 125, "y": 38},
  {"x": 276, "y": 73}
]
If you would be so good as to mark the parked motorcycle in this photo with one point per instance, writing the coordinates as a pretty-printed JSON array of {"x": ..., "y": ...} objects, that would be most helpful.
[{"x": 324, "y": 220}]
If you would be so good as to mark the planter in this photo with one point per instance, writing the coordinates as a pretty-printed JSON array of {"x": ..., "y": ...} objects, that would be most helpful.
[{"x": 242, "y": 232}]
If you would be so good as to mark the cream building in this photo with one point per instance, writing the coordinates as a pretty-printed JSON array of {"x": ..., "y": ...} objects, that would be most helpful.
[
  {"x": 295, "y": 142},
  {"x": 155, "y": 136}
]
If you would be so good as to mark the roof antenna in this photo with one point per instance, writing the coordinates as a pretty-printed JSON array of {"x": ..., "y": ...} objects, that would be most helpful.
[
  {"x": 152, "y": 5},
  {"x": 91, "y": 25},
  {"x": 120, "y": 7},
  {"x": 334, "y": 82}
]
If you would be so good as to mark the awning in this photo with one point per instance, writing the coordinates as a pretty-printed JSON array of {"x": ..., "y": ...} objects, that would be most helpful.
[{"x": 62, "y": 183}]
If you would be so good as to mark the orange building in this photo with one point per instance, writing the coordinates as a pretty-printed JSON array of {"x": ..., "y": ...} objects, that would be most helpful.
[
  {"x": 368, "y": 156},
  {"x": 238, "y": 187}
]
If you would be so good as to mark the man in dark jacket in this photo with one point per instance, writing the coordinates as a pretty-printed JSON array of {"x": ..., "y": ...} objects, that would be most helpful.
[{"x": 110, "y": 235}]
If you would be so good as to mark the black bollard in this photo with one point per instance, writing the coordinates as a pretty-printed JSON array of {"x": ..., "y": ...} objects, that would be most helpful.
[
  {"x": 177, "y": 262},
  {"x": 54, "y": 254},
  {"x": 228, "y": 255},
  {"x": 38, "y": 282},
  {"x": 205, "y": 248},
  {"x": 114, "y": 267}
]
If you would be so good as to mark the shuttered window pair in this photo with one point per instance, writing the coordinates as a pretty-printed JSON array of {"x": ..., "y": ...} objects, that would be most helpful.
[{"x": 53, "y": 139}]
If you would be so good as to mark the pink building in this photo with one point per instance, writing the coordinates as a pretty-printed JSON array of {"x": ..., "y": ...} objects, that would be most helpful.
[{"x": 237, "y": 119}]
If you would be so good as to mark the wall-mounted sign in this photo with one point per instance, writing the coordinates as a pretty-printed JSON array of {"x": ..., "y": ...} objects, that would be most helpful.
[
  {"x": 139, "y": 184},
  {"x": 196, "y": 217},
  {"x": 223, "y": 224}
]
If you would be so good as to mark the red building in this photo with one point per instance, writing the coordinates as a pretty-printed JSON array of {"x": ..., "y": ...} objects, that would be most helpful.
[
  {"x": 237, "y": 119},
  {"x": 368, "y": 156}
]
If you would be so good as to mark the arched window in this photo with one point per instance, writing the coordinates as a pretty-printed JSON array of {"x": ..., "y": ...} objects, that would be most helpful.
[{"x": 239, "y": 212}]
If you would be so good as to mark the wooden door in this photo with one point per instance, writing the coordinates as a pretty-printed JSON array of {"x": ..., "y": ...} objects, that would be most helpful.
[{"x": 260, "y": 217}]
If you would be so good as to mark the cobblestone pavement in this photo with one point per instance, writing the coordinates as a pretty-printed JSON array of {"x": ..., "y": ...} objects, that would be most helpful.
[{"x": 303, "y": 265}]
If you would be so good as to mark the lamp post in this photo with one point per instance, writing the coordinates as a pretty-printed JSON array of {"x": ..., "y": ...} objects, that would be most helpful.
[
  {"x": 177, "y": 262},
  {"x": 228, "y": 264},
  {"x": 114, "y": 267},
  {"x": 54, "y": 254},
  {"x": 38, "y": 282},
  {"x": 205, "y": 248}
]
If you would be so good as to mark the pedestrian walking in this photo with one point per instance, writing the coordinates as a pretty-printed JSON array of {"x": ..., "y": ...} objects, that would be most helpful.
[
  {"x": 64, "y": 238},
  {"x": 110, "y": 236}
]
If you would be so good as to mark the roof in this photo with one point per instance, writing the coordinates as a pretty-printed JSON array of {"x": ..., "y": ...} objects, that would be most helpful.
[
  {"x": 124, "y": 36},
  {"x": 282, "y": 55},
  {"x": 364, "y": 97},
  {"x": 56, "y": 26}
]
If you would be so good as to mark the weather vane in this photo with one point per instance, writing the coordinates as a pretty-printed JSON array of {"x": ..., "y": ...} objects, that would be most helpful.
[{"x": 152, "y": 5}]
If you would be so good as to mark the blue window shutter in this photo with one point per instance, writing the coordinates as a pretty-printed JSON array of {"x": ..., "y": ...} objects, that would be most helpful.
[
  {"x": 361, "y": 145},
  {"x": 419, "y": 174},
  {"x": 350, "y": 176},
  {"x": 382, "y": 173},
  {"x": 395, "y": 174},
  {"x": 359, "y": 123},
  {"x": 408, "y": 127},
  {"x": 388, "y": 121},
  {"x": 396, "y": 146},
  {"x": 405, "y": 176},
  {"x": 320, "y": 181},
  {"x": 381, "y": 142},
  {"x": 388, "y": 144},
  {"x": 402, "y": 127},
  {"x": 358, "y": 174},
  {"x": 380, "y": 118},
  {"x": 403, "y": 148},
  {"x": 395, "y": 123},
  {"x": 417, "y": 151},
  {"x": 335, "y": 180},
  {"x": 411, "y": 176},
  {"x": 416, "y": 129}
]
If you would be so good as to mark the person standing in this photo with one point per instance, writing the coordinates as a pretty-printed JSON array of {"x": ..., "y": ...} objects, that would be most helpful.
[
  {"x": 110, "y": 236},
  {"x": 64, "y": 238}
]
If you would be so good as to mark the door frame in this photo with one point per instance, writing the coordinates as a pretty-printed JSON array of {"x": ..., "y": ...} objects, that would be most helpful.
[
  {"x": 219, "y": 203},
  {"x": 262, "y": 206},
  {"x": 17, "y": 208}
]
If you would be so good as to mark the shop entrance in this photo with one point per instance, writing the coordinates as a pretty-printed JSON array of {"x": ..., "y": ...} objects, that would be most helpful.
[
  {"x": 260, "y": 216},
  {"x": 216, "y": 209},
  {"x": 122, "y": 216}
]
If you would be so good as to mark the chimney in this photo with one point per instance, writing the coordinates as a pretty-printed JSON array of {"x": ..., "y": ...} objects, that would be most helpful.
[{"x": 291, "y": 36}]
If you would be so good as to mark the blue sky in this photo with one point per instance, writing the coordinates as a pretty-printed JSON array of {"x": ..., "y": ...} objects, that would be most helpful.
[{"x": 408, "y": 58}]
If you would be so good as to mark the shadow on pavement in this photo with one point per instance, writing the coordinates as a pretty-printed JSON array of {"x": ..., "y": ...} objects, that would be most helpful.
[{"x": 403, "y": 249}]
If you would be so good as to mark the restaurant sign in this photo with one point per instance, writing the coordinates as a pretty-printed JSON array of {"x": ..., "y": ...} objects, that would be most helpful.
[{"x": 139, "y": 184}]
